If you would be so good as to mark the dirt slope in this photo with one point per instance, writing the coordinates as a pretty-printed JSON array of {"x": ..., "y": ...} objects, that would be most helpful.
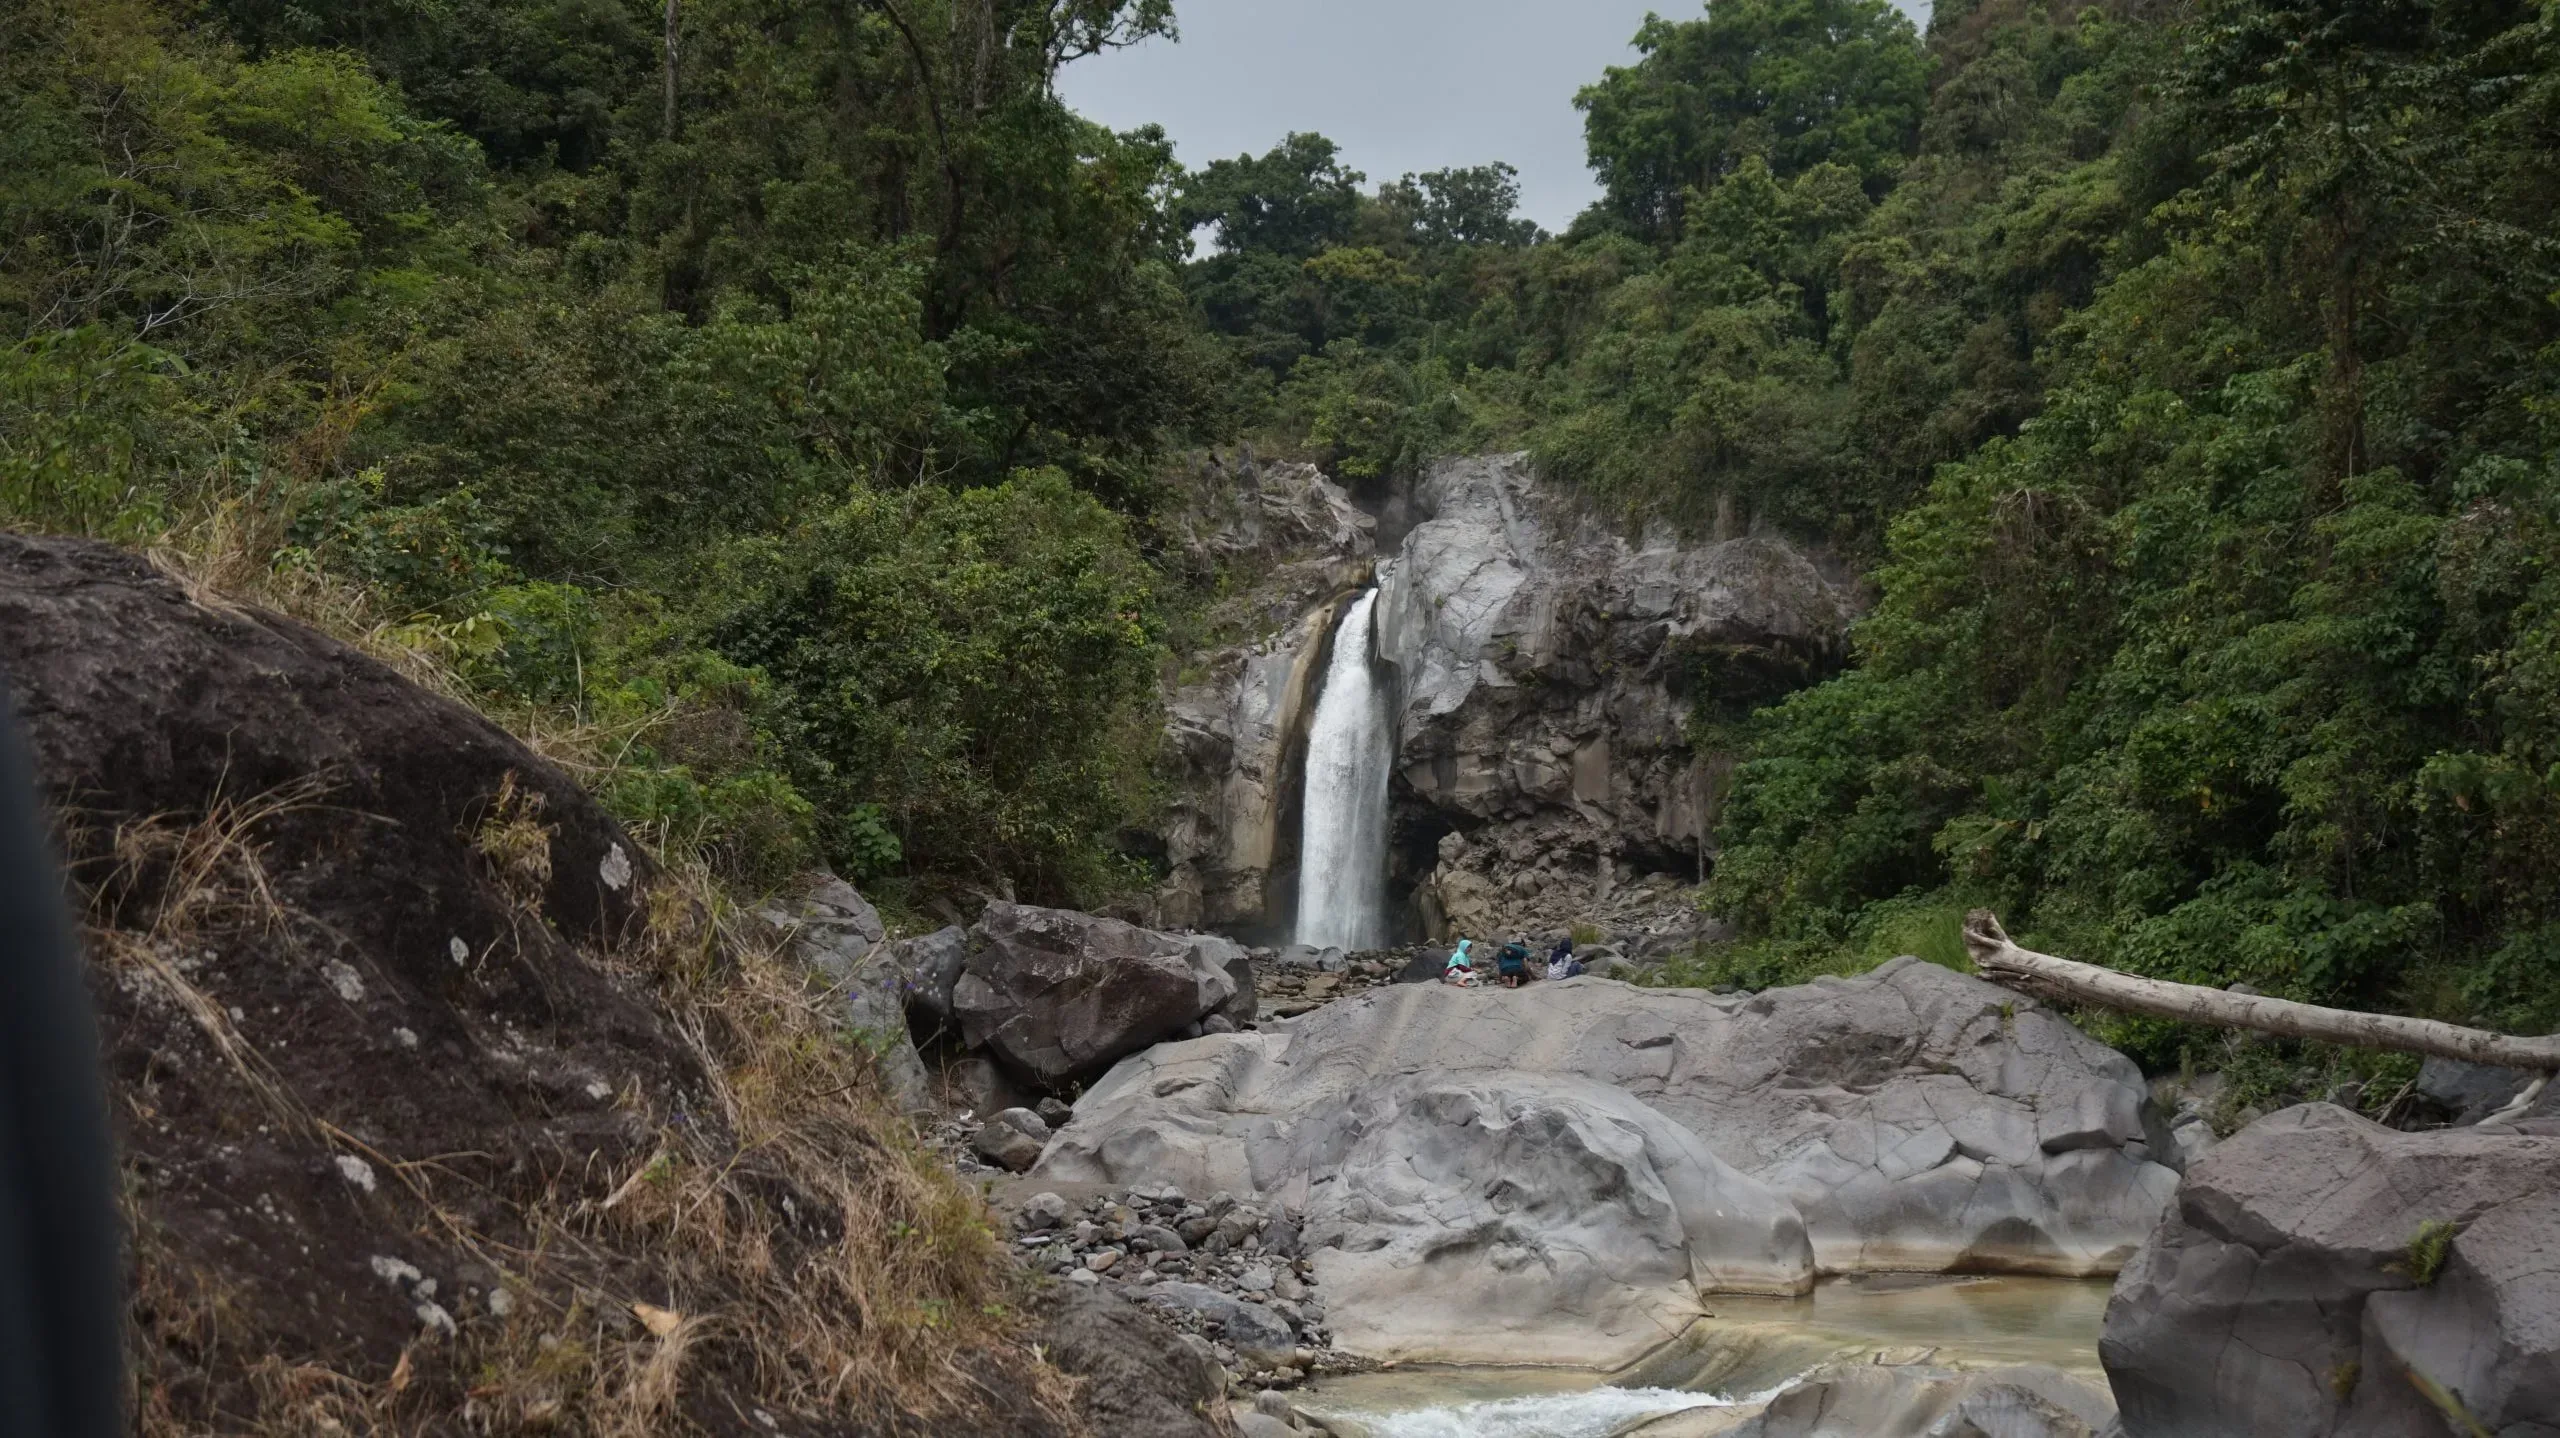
[{"x": 441, "y": 1110}]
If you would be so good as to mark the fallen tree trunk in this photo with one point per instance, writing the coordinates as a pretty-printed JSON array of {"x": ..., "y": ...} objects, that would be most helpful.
[{"x": 2044, "y": 976}]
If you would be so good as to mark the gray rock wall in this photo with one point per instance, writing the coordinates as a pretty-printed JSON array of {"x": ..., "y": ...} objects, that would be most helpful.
[{"x": 1295, "y": 548}]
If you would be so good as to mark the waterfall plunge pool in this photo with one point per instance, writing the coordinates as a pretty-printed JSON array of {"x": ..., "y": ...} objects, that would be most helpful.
[{"x": 1727, "y": 1364}]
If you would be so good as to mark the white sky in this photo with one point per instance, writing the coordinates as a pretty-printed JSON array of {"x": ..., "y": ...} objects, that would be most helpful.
[{"x": 1402, "y": 85}]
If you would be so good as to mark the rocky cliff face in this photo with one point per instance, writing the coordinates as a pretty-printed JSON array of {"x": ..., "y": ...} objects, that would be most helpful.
[
  {"x": 1237, "y": 714},
  {"x": 1549, "y": 670}
]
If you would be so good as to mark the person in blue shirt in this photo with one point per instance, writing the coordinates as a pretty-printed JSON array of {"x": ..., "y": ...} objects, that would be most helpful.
[{"x": 1513, "y": 962}]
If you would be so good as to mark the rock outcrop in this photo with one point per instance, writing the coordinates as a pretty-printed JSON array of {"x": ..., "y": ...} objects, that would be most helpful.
[
  {"x": 1549, "y": 671},
  {"x": 1058, "y": 997},
  {"x": 2321, "y": 1276},
  {"x": 1911, "y": 1118}
]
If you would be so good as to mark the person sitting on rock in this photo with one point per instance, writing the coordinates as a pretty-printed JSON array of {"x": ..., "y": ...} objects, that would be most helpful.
[
  {"x": 1513, "y": 962},
  {"x": 1561, "y": 964},
  {"x": 1462, "y": 969}
]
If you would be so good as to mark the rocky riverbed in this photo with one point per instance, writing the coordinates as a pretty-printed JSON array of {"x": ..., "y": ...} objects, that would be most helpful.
[{"x": 1319, "y": 1167}]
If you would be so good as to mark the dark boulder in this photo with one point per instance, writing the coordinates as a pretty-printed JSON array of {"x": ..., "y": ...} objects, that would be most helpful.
[
  {"x": 338, "y": 922},
  {"x": 1140, "y": 1379},
  {"x": 1059, "y": 997},
  {"x": 2319, "y": 1276}
]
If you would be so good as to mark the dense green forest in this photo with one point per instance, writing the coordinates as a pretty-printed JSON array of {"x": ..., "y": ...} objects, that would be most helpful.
[{"x": 782, "y": 402}]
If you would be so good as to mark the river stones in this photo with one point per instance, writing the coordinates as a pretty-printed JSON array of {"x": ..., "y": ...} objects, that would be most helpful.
[
  {"x": 1913, "y": 1118},
  {"x": 2321, "y": 1276},
  {"x": 1257, "y": 1333}
]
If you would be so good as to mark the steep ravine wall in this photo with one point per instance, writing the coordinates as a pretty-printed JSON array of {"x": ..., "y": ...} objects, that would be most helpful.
[{"x": 1547, "y": 670}]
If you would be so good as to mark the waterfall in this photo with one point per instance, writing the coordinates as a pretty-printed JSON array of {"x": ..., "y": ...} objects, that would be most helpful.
[{"x": 1342, "y": 858}]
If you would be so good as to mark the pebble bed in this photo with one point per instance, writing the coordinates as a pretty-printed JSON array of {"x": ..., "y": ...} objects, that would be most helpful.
[{"x": 1226, "y": 1273}]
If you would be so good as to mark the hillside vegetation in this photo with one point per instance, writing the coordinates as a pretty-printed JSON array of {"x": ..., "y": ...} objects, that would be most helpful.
[
  {"x": 2182, "y": 376},
  {"x": 780, "y": 417}
]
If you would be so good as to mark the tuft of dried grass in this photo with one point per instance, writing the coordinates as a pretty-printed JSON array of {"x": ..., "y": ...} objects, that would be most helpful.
[{"x": 789, "y": 1243}]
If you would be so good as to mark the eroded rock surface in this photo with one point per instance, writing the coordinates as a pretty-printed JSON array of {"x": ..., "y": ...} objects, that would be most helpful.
[
  {"x": 1911, "y": 1118},
  {"x": 1870, "y": 1401},
  {"x": 1519, "y": 1204},
  {"x": 2300, "y": 1288}
]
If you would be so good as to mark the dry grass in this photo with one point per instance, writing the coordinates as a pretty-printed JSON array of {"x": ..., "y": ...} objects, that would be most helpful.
[{"x": 801, "y": 1250}]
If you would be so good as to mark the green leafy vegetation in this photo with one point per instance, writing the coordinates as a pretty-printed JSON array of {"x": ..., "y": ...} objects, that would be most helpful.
[
  {"x": 786, "y": 415},
  {"x": 767, "y": 418},
  {"x": 2428, "y": 1248},
  {"x": 2226, "y": 667}
]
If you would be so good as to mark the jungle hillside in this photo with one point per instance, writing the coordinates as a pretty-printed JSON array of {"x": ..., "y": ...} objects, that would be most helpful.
[{"x": 782, "y": 407}]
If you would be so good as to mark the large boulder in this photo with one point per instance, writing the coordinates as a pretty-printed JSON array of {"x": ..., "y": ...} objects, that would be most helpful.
[
  {"x": 1140, "y": 1379},
  {"x": 1058, "y": 996},
  {"x": 342, "y": 923},
  {"x": 1912, "y": 1119},
  {"x": 2303, "y": 1286}
]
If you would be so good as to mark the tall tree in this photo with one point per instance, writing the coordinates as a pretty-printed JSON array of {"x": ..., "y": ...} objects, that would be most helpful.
[{"x": 1795, "y": 82}]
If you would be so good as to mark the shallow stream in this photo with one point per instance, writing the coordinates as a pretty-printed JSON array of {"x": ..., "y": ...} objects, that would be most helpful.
[{"x": 1746, "y": 1350}]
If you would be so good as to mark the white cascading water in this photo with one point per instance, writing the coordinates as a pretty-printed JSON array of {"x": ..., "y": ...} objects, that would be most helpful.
[{"x": 1342, "y": 856}]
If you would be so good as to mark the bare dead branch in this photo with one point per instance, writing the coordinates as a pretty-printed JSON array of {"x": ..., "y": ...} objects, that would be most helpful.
[{"x": 2044, "y": 976}]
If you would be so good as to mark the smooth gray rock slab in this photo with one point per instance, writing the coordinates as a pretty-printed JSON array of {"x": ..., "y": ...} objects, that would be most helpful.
[
  {"x": 1868, "y": 1401},
  {"x": 1533, "y": 1213},
  {"x": 2280, "y": 1297},
  {"x": 1909, "y": 1119}
]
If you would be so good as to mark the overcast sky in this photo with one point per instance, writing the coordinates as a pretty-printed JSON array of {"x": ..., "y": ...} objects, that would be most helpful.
[{"x": 1402, "y": 85}]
